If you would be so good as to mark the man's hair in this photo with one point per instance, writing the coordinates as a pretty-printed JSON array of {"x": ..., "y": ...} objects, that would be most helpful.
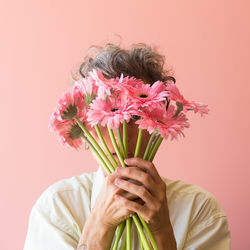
[{"x": 141, "y": 61}]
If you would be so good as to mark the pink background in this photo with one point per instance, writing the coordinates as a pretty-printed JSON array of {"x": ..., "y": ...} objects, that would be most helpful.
[{"x": 206, "y": 43}]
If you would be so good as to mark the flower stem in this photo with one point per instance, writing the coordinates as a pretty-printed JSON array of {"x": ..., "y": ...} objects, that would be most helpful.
[
  {"x": 95, "y": 144},
  {"x": 148, "y": 148},
  {"x": 129, "y": 220},
  {"x": 151, "y": 238},
  {"x": 128, "y": 226},
  {"x": 144, "y": 224},
  {"x": 105, "y": 145},
  {"x": 120, "y": 143},
  {"x": 124, "y": 243},
  {"x": 123, "y": 147},
  {"x": 119, "y": 234},
  {"x": 140, "y": 230},
  {"x": 138, "y": 143},
  {"x": 155, "y": 148},
  {"x": 124, "y": 137},
  {"x": 153, "y": 144},
  {"x": 111, "y": 134},
  {"x": 140, "y": 241},
  {"x": 97, "y": 154}
]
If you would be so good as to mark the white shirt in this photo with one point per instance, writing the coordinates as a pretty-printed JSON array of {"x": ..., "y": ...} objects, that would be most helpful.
[{"x": 58, "y": 216}]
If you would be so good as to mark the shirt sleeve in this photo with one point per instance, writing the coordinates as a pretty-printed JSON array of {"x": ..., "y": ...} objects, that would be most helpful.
[
  {"x": 46, "y": 231},
  {"x": 209, "y": 233}
]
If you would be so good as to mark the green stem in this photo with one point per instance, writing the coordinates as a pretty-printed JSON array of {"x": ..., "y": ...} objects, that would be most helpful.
[
  {"x": 124, "y": 243},
  {"x": 128, "y": 226},
  {"x": 148, "y": 148},
  {"x": 111, "y": 134},
  {"x": 95, "y": 144},
  {"x": 124, "y": 137},
  {"x": 124, "y": 142},
  {"x": 124, "y": 146},
  {"x": 140, "y": 241},
  {"x": 153, "y": 144},
  {"x": 155, "y": 148},
  {"x": 120, "y": 143},
  {"x": 140, "y": 230},
  {"x": 97, "y": 155},
  {"x": 151, "y": 237},
  {"x": 138, "y": 143},
  {"x": 119, "y": 234},
  {"x": 135, "y": 217},
  {"x": 105, "y": 145}
]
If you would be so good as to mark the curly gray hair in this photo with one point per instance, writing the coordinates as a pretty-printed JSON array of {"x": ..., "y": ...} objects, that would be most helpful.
[{"x": 141, "y": 61}]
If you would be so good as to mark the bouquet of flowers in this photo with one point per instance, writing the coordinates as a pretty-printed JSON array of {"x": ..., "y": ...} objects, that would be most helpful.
[{"x": 96, "y": 101}]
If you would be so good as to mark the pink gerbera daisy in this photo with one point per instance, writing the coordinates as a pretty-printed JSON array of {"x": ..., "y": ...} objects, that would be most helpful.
[
  {"x": 196, "y": 107},
  {"x": 70, "y": 105},
  {"x": 112, "y": 111},
  {"x": 123, "y": 84},
  {"x": 175, "y": 95},
  {"x": 143, "y": 95},
  {"x": 62, "y": 121},
  {"x": 68, "y": 132},
  {"x": 104, "y": 85},
  {"x": 158, "y": 118},
  {"x": 119, "y": 84},
  {"x": 87, "y": 88}
]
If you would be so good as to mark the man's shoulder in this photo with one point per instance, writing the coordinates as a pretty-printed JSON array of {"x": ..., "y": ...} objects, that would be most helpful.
[
  {"x": 180, "y": 186},
  {"x": 196, "y": 216},
  {"x": 64, "y": 205},
  {"x": 85, "y": 181},
  {"x": 66, "y": 188},
  {"x": 193, "y": 195}
]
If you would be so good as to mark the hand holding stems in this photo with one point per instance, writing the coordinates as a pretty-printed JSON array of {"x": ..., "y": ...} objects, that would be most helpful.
[
  {"x": 152, "y": 192},
  {"x": 99, "y": 229},
  {"x": 137, "y": 218},
  {"x": 155, "y": 210}
]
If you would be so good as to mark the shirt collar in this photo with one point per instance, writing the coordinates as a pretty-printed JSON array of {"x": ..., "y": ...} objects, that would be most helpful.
[{"x": 97, "y": 184}]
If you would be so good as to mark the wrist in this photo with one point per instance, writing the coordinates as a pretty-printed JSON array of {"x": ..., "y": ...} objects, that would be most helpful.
[
  {"x": 101, "y": 222},
  {"x": 165, "y": 239},
  {"x": 96, "y": 234}
]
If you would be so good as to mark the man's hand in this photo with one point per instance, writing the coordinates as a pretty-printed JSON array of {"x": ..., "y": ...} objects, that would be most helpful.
[{"x": 152, "y": 190}]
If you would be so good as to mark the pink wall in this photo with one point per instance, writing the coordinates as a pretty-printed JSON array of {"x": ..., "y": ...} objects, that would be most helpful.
[{"x": 206, "y": 42}]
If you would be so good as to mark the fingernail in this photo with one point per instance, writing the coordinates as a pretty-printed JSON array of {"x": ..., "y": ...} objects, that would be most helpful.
[
  {"x": 117, "y": 181},
  {"x": 126, "y": 160}
]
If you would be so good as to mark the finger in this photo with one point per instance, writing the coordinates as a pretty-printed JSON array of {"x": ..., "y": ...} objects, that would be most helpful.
[
  {"x": 111, "y": 177},
  {"x": 110, "y": 181},
  {"x": 140, "y": 191},
  {"x": 128, "y": 179},
  {"x": 145, "y": 165},
  {"x": 127, "y": 195},
  {"x": 136, "y": 173},
  {"x": 135, "y": 207},
  {"x": 151, "y": 169}
]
